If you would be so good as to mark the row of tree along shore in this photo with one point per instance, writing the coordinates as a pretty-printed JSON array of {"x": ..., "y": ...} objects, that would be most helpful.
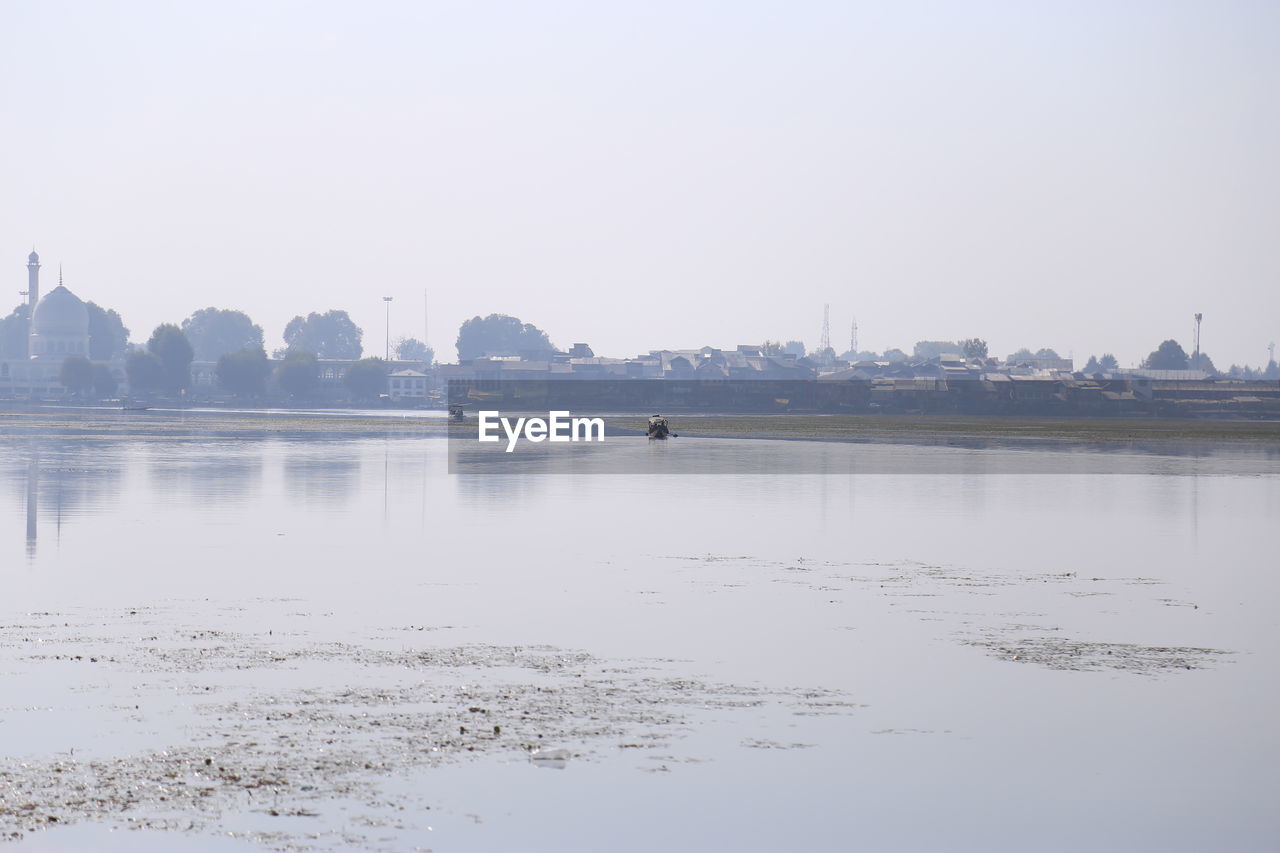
[{"x": 322, "y": 359}]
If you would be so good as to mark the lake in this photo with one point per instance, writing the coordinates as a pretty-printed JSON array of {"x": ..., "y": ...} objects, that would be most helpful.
[{"x": 230, "y": 639}]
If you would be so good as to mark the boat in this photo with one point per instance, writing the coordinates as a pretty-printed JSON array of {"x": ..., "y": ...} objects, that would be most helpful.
[{"x": 658, "y": 428}]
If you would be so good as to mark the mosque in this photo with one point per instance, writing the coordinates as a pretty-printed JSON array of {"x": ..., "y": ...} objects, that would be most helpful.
[{"x": 58, "y": 327}]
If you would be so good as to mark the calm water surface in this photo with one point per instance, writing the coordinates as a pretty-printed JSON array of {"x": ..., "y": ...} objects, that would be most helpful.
[{"x": 930, "y": 657}]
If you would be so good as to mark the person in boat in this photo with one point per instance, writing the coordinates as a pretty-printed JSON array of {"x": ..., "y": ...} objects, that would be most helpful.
[{"x": 658, "y": 427}]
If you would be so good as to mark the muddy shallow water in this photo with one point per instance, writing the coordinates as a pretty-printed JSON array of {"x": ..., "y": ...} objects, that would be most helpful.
[{"x": 279, "y": 642}]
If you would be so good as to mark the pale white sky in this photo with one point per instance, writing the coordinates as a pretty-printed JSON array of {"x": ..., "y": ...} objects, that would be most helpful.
[{"x": 1080, "y": 175}]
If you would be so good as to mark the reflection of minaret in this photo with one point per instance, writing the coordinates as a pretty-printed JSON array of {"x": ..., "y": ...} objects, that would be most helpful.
[
  {"x": 33, "y": 501},
  {"x": 58, "y": 515}
]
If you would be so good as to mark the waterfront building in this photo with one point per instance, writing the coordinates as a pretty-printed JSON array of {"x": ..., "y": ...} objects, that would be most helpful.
[{"x": 57, "y": 327}]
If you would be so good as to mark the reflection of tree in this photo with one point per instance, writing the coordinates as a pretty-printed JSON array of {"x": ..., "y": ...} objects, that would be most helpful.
[
  {"x": 326, "y": 475},
  {"x": 72, "y": 474},
  {"x": 498, "y": 493},
  {"x": 206, "y": 472}
]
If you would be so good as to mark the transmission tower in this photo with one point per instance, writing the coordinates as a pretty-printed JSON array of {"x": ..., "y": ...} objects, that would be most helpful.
[
  {"x": 1271, "y": 349},
  {"x": 853, "y": 338},
  {"x": 824, "y": 346}
]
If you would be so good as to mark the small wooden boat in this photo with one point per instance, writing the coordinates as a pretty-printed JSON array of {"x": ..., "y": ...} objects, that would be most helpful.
[{"x": 658, "y": 428}]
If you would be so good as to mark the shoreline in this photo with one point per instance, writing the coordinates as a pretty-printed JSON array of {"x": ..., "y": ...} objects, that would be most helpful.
[{"x": 89, "y": 422}]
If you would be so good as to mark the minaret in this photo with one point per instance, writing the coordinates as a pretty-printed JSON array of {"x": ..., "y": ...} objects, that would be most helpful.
[
  {"x": 33, "y": 297},
  {"x": 33, "y": 279}
]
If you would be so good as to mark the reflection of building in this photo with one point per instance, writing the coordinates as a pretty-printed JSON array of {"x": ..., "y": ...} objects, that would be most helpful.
[
  {"x": 33, "y": 501},
  {"x": 58, "y": 480},
  {"x": 58, "y": 327}
]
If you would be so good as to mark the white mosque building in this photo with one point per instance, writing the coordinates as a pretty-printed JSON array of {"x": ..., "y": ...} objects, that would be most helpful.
[{"x": 58, "y": 327}]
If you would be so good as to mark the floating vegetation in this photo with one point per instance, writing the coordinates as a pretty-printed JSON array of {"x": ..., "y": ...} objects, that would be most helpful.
[
  {"x": 1082, "y": 655},
  {"x": 361, "y": 716},
  {"x": 917, "y": 580}
]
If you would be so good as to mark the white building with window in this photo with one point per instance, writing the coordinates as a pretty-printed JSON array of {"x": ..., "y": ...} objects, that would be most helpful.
[{"x": 407, "y": 384}]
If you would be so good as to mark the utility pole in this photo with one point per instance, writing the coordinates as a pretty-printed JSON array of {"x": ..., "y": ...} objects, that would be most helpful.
[
  {"x": 1195, "y": 362},
  {"x": 387, "y": 299}
]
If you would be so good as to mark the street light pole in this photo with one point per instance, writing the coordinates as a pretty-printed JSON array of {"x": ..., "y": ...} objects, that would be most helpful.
[{"x": 387, "y": 299}]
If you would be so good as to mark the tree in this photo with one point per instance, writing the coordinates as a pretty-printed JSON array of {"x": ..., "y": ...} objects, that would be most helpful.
[
  {"x": 795, "y": 348},
  {"x": 1022, "y": 354},
  {"x": 925, "y": 350},
  {"x": 144, "y": 371},
  {"x": 367, "y": 378},
  {"x": 328, "y": 335},
  {"x": 973, "y": 348},
  {"x": 1106, "y": 364},
  {"x": 1047, "y": 352},
  {"x": 412, "y": 349},
  {"x": 500, "y": 334},
  {"x": 76, "y": 374},
  {"x": 1203, "y": 363},
  {"x": 893, "y": 355},
  {"x": 104, "y": 382},
  {"x": 773, "y": 348},
  {"x": 297, "y": 374},
  {"x": 214, "y": 332},
  {"x": 244, "y": 373},
  {"x": 823, "y": 355},
  {"x": 13, "y": 333},
  {"x": 1168, "y": 356},
  {"x": 108, "y": 336},
  {"x": 1271, "y": 371},
  {"x": 171, "y": 346}
]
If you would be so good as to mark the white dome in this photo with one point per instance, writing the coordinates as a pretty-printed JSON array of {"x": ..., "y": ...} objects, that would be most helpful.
[{"x": 59, "y": 313}]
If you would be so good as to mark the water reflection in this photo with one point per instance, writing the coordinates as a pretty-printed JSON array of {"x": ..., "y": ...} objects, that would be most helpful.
[
  {"x": 58, "y": 480},
  {"x": 965, "y": 457},
  {"x": 33, "y": 502},
  {"x": 214, "y": 472},
  {"x": 325, "y": 476}
]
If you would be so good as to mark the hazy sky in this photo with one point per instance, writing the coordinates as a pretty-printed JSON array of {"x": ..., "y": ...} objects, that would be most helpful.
[{"x": 1080, "y": 175}]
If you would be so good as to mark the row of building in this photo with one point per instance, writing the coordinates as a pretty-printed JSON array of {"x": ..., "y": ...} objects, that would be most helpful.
[{"x": 58, "y": 327}]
